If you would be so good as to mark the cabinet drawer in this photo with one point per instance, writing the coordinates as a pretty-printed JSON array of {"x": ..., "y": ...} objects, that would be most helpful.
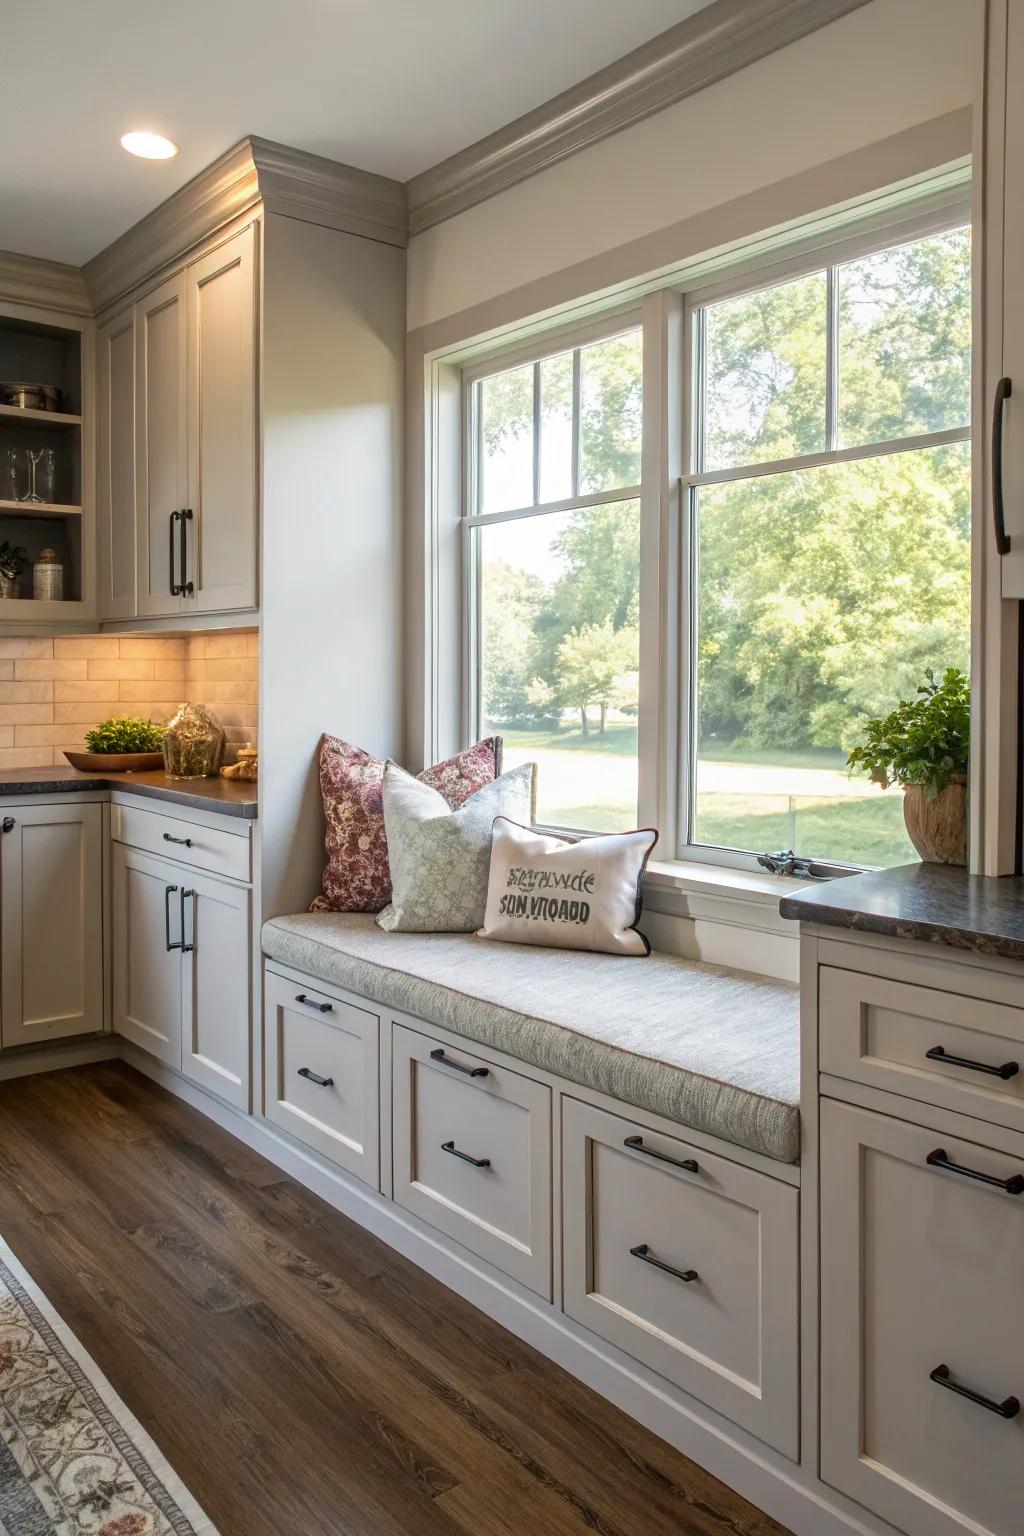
[
  {"x": 688, "y": 1263},
  {"x": 187, "y": 842},
  {"x": 877, "y": 1031},
  {"x": 472, "y": 1154},
  {"x": 920, "y": 1269},
  {"x": 322, "y": 1074}
]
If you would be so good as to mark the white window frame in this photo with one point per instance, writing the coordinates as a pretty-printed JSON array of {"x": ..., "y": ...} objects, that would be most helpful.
[{"x": 666, "y": 311}]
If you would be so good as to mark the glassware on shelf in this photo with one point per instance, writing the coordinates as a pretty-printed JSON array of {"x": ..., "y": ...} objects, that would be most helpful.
[
  {"x": 44, "y": 480},
  {"x": 48, "y": 578},
  {"x": 193, "y": 743},
  {"x": 11, "y": 474}
]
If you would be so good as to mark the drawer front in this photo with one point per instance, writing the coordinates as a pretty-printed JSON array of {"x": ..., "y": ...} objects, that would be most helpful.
[
  {"x": 472, "y": 1153},
  {"x": 920, "y": 1269},
  {"x": 688, "y": 1263},
  {"x": 187, "y": 842},
  {"x": 322, "y": 1057},
  {"x": 880, "y": 1032}
]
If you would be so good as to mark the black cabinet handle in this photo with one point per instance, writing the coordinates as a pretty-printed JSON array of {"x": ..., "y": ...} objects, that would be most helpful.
[
  {"x": 186, "y": 842},
  {"x": 1014, "y": 1185},
  {"x": 452, "y": 1149},
  {"x": 314, "y": 1077},
  {"x": 456, "y": 1066},
  {"x": 168, "y": 892},
  {"x": 1007, "y": 1409},
  {"x": 1008, "y": 1068},
  {"x": 636, "y": 1144},
  {"x": 175, "y": 589},
  {"x": 1004, "y": 389},
  {"x": 307, "y": 1002},
  {"x": 642, "y": 1251},
  {"x": 187, "y": 949},
  {"x": 187, "y": 588},
  {"x": 9, "y": 823}
]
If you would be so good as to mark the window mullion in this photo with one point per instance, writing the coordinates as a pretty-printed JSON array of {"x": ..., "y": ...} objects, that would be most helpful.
[
  {"x": 832, "y": 361},
  {"x": 536, "y": 433},
  {"x": 576, "y": 423}
]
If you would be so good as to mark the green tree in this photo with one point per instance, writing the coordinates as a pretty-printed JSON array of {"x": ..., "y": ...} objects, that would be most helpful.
[{"x": 597, "y": 665}]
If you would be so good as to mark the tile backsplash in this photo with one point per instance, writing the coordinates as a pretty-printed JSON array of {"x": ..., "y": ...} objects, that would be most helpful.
[{"x": 53, "y": 690}]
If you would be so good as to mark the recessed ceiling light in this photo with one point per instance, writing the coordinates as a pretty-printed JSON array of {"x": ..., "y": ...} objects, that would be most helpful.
[{"x": 150, "y": 146}]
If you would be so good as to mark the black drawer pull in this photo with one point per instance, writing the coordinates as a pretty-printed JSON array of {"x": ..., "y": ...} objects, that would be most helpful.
[
  {"x": 186, "y": 842},
  {"x": 9, "y": 824},
  {"x": 1008, "y": 1068},
  {"x": 177, "y": 944},
  {"x": 314, "y": 1077},
  {"x": 456, "y": 1066},
  {"x": 636, "y": 1144},
  {"x": 1014, "y": 1185},
  {"x": 1004, "y": 390},
  {"x": 308, "y": 1002},
  {"x": 452, "y": 1149},
  {"x": 642, "y": 1251},
  {"x": 1007, "y": 1409}
]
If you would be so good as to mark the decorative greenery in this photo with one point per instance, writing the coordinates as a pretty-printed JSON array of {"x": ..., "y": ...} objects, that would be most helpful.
[
  {"x": 925, "y": 740},
  {"x": 13, "y": 560},
  {"x": 125, "y": 734}
]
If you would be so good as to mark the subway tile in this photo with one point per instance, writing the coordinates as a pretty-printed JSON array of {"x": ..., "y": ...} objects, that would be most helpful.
[
  {"x": 196, "y": 647},
  {"x": 121, "y": 668},
  {"x": 6, "y": 671},
  {"x": 32, "y": 669},
  {"x": 252, "y": 640},
  {"x": 6, "y": 735},
  {"x": 232, "y": 693},
  {"x": 26, "y": 714},
  {"x": 44, "y": 735},
  {"x": 26, "y": 757},
  {"x": 152, "y": 646},
  {"x": 40, "y": 649},
  {"x": 26, "y": 693},
  {"x": 79, "y": 690},
  {"x": 220, "y": 647},
  {"x": 242, "y": 669},
  {"x": 169, "y": 668},
  {"x": 74, "y": 647},
  {"x": 129, "y": 690},
  {"x": 86, "y": 712}
]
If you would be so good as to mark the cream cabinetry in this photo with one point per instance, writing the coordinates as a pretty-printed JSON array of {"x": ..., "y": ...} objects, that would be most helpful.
[
  {"x": 181, "y": 945},
  {"x": 51, "y": 932},
  {"x": 177, "y": 385}
]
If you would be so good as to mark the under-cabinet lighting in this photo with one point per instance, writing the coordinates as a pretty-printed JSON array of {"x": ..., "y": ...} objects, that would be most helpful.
[{"x": 149, "y": 146}]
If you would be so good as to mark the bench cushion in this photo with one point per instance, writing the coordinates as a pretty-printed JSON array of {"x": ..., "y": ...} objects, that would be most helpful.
[{"x": 711, "y": 1048}]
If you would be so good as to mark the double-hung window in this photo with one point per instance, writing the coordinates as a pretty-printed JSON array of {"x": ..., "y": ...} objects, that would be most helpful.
[
  {"x": 824, "y": 550},
  {"x": 553, "y": 552}
]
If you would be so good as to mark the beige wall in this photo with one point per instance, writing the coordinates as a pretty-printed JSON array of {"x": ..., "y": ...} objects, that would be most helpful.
[
  {"x": 53, "y": 690},
  {"x": 874, "y": 73}
]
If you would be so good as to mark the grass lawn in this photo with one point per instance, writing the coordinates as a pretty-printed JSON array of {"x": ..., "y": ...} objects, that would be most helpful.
[{"x": 590, "y": 783}]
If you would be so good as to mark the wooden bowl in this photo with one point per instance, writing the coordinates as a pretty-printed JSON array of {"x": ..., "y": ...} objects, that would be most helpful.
[{"x": 115, "y": 762}]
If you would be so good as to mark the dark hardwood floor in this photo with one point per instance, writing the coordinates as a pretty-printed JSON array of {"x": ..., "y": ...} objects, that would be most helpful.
[{"x": 302, "y": 1378}]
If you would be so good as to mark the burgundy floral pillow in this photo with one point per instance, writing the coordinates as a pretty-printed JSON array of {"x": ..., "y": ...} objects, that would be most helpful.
[{"x": 357, "y": 877}]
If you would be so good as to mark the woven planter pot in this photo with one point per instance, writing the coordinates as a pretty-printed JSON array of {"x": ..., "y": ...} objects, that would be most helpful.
[{"x": 937, "y": 824}]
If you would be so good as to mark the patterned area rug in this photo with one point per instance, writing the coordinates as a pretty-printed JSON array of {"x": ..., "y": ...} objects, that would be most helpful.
[{"x": 73, "y": 1460}]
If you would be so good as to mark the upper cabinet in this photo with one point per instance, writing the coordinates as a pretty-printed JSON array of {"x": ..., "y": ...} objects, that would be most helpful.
[{"x": 178, "y": 485}]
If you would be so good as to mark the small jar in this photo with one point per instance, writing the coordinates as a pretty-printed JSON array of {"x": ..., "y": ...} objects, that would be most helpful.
[
  {"x": 193, "y": 743},
  {"x": 48, "y": 578}
]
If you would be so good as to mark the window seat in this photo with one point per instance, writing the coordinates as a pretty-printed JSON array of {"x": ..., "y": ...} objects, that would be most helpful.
[{"x": 711, "y": 1048}]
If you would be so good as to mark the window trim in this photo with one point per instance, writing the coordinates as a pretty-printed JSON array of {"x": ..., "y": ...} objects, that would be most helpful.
[{"x": 664, "y": 307}]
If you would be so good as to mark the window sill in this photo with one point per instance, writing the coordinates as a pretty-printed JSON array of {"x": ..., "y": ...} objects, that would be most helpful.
[{"x": 685, "y": 888}]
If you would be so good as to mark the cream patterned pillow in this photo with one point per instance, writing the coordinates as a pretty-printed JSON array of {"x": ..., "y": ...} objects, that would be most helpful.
[
  {"x": 440, "y": 857},
  {"x": 579, "y": 895}
]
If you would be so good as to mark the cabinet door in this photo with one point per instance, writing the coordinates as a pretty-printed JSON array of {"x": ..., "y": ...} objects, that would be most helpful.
[
  {"x": 920, "y": 1293},
  {"x": 222, "y": 425},
  {"x": 51, "y": 887},
  {"x": 115, "y": 467},
  {"x": 161, "y": 379},
  {"x": 216, "y": 1008},
  {"x": 147, "y": 920}
]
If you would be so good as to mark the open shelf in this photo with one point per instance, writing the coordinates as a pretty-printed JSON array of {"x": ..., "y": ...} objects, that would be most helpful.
[
  {"x": 40, "y": 509},
  {"x": 22, "y": 413}
]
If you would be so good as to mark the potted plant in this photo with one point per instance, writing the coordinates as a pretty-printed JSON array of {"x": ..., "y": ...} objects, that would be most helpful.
[
  {"x": 923, "y": 745},
  {"x": 13, "y": 560},
  {"x": 121, "y": 745}
]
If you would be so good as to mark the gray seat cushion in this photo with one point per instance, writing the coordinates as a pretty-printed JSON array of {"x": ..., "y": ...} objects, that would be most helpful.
[{"x": 711, "y": 1048}]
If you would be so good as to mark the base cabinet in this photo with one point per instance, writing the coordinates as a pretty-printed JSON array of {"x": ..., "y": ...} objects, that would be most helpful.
[
  {"x": 51, "y": 949},
  {"x": 920, "y": 1297},
  {"x": 181, "y": 963}
]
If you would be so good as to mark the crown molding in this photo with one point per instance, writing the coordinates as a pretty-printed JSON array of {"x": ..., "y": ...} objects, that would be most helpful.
[
  {"x": 706, "y": 47},
  {"x": 256, "y": 171},
  {"x": 43, "y": 284}
]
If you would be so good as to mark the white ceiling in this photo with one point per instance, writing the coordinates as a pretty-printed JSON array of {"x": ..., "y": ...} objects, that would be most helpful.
[{"x": 389, "y": 85}]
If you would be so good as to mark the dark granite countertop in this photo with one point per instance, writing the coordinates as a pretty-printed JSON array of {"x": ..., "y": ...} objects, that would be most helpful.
[
  {"x": 932, "y": 902},
  {"x": 228, "y": 797}
]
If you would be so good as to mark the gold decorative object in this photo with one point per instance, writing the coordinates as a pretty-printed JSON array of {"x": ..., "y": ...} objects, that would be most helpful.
[
  {"x": 247, "y": 768},
  {"x": 193, "y": 743}
]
